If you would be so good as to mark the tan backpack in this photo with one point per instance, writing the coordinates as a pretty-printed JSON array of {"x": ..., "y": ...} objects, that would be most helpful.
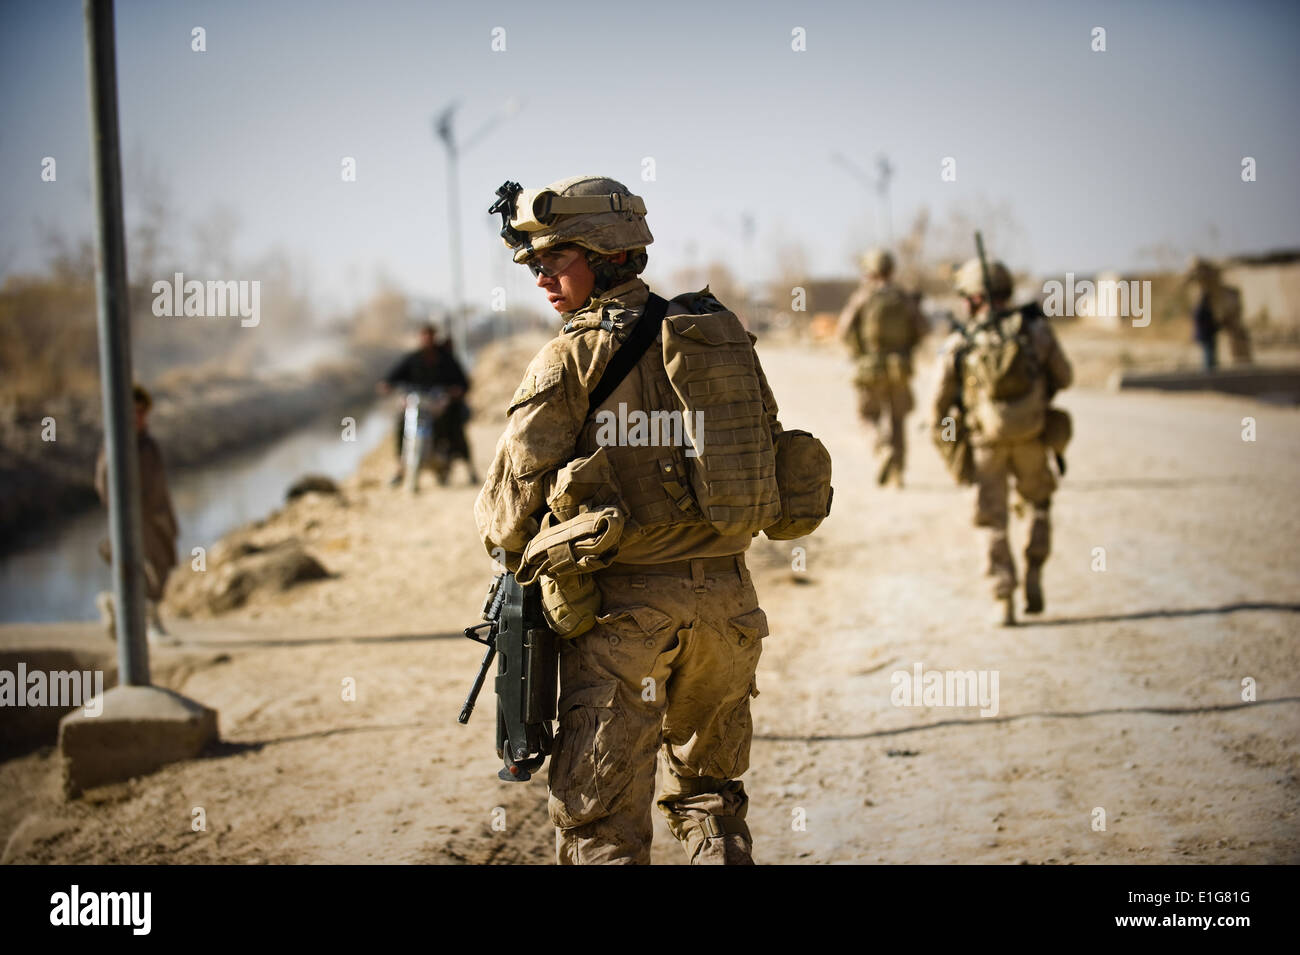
[
  {"x": 888, "y": 324},
  {"x": 732, "y": 461}
]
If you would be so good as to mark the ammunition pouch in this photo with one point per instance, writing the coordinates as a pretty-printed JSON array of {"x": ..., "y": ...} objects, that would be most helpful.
[
  {"x": 898, "y": 367},
  {"x": 563, "y": 555},
  {"x": 957, "y": 453},
  {"x": 1058, "y": 428},
  {"x": 803, "y": 477},
  {"x": 869, "y": 370},
  {"x": 894, "y": 367},
  {"x": 585, "y": 484},
  {"x": 570, "y": 604}
]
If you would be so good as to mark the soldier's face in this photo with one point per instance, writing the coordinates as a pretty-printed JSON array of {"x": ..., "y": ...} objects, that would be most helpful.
[{"x": 570, "y": 287}]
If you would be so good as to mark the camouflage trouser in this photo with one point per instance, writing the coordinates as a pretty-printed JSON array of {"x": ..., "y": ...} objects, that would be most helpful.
[
  {"x": 1026, "y": 461},
  {"x": 884, "y": 400},
  {"x": 669, "y": 665}
]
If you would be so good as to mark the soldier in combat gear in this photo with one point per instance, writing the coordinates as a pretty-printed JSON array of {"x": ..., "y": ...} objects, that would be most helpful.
[
  {"x": 882, "y": 327},
  {"x": 1003, "y": 372},
  {"x": 673, "y": 628}
]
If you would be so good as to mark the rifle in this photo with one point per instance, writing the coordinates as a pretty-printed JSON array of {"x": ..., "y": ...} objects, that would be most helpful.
[{"x": 516, "y": 631}]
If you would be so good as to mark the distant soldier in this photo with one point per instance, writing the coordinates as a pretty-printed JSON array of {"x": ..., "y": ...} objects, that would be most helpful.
[
  {"x": 158, "y": 528},
  {"x": 1218, "y": 306},
  {"x": 882, "y": 325},
  {"x": 1000, "y": 374}
]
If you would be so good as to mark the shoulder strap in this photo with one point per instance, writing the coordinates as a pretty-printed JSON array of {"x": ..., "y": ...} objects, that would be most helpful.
[{"x": 644, "y": 332}]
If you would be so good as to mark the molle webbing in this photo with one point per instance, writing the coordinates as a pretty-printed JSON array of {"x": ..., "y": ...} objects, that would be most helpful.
[
  {"x": 710, "y": 363},
  {"x": 653, "y": 481}
]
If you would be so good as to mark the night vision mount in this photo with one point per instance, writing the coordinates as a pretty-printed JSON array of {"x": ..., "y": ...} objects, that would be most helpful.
[{"x": 507, "y": 196}]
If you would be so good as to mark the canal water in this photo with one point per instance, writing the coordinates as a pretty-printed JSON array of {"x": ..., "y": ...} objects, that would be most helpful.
[{"x": 57, "y": 574}]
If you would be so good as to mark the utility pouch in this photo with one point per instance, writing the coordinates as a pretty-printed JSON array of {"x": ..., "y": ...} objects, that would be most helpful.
[{"x": 803, "y": 474}]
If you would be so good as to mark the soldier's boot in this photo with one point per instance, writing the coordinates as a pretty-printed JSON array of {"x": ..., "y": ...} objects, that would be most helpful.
[
  {"x": 1004, "y": 612},
  {"x": 1003, "y": 569},
  {"x": 886, "y": 466},
  {"x": 898, "y": 440},
  {"x": 1040, "y": 545},
  {"x": 896, "y": 466},
  {"x": 719, "y": 840},
  {"x": 1034, "y": 589}
]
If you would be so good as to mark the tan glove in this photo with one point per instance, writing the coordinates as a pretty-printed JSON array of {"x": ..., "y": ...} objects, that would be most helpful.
[
  {"x": 577, "y": 546},
  {"x": 562, "y": 557}
]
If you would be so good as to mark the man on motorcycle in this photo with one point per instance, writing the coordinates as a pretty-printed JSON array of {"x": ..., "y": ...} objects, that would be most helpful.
[{"x": 433, "y": 365}]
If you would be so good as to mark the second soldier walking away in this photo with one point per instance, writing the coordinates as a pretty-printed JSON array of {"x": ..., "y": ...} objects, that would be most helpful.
[
  {"x": 664, "y": 635},
  {"x": 882, "y": 327},
  {"x": 1000, "y": 374}
]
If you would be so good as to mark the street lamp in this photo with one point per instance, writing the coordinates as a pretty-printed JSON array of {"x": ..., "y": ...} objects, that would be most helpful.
[
  {"x": 444, "y": 128},
  {"x": 879, "y": 184}
]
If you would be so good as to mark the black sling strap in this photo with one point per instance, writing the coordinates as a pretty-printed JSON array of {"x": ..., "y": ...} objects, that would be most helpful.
[{"x": 644, "y": 332}]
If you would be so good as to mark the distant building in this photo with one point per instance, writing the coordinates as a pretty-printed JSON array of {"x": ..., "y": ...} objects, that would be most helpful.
[{"x": 1270, "y": 292}]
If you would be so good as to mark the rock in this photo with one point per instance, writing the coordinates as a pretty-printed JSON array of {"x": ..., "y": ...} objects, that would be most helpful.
[
  {"x": 309, "y": 484},
  {"x": 240, "y": 570}
]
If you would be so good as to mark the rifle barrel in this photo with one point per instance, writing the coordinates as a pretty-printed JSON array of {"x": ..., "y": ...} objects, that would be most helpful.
[{"x": 470, "y": 700}]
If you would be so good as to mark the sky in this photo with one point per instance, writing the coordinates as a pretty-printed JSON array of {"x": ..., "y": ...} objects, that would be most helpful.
[{"x": 1097, "y": 155}]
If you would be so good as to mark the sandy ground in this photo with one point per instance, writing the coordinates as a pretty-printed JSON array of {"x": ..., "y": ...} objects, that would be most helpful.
[{"x": 1126, "y": 696}]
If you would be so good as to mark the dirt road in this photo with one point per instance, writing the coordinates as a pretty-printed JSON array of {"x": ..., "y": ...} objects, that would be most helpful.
[{"x": 1125, "y": 697}]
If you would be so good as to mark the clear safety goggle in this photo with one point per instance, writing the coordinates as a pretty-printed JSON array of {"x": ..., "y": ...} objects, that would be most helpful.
[{"x": 551, "y": 262}]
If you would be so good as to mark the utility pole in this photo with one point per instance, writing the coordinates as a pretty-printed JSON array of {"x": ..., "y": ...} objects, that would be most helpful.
[
  {"x": 114, "y": 324},
  {"x": 459, "y": 333},
  {"x": 138, "y": 727}
]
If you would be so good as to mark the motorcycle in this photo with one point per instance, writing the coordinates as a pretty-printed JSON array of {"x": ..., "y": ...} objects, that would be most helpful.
[{"x": 425, "y": 442}]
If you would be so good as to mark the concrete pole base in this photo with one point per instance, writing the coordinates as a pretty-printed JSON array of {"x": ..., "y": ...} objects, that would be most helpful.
[{"x": 140, "y": 729}]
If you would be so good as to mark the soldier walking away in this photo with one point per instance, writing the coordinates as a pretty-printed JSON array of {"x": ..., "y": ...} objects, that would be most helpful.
[
  {"x": 1217, "y": 306},
  {"x": 433, "y": 365},
  {"x": 663, "y": 638},
  {"x": 882, "y": 326},
  {"x": 159, "y": 528},
  {"x": 1001, "y": 373}
]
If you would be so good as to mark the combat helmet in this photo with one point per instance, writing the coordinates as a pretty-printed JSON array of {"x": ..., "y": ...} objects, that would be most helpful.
[
  {"x": 595, "y": 212},
  {"x": 969, "y": 280},
  {"x": 877, "y": 263}
]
